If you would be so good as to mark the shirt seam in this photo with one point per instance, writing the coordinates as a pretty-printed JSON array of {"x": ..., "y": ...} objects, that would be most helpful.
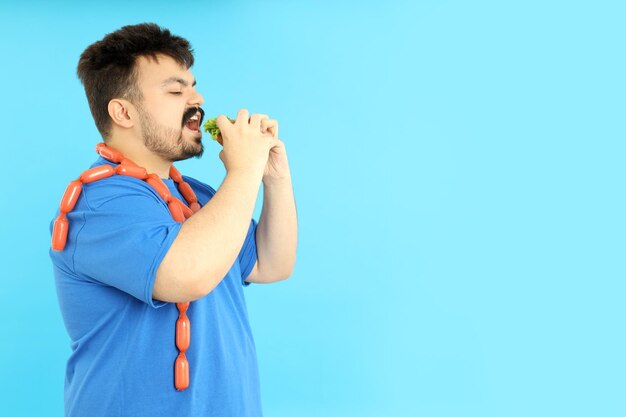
[
  {"x": 154, "y": 267},
  {"x": 80, "y": 230}
]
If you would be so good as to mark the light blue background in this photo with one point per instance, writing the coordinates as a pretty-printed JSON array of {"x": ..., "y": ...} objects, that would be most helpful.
[{"x": 459, "y": 177}]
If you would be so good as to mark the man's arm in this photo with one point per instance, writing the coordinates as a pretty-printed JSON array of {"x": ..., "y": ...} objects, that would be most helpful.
[
  {"x": 276, "y": 234},
  {"x": 208, "y": 242}
]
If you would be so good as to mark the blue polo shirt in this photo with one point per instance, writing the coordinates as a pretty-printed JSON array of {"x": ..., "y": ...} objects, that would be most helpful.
[{"x": 122, "y": 340}]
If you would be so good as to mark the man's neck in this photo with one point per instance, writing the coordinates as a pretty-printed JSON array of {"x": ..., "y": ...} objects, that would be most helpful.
[{"x": 143, "y": 157}]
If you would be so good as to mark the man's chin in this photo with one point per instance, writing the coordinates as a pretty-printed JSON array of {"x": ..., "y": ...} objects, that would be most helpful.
[
  {"x": 199, "y": 154},
  {"x": 189, "y": 152},
  {"x": 189, "y": 145}
]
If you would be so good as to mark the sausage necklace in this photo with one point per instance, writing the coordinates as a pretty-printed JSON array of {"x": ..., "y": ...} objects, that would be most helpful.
[{"x": 180, "y": 212}]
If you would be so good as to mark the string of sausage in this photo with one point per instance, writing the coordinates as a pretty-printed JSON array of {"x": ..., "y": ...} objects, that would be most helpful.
[{"x": 180, "y": 212}]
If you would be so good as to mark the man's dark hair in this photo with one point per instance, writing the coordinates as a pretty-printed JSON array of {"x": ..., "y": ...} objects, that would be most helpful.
[{"x": 107, "y": 67}]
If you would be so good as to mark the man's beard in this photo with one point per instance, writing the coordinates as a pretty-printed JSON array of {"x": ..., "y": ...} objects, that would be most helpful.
[{"x": 166, "y": 142}]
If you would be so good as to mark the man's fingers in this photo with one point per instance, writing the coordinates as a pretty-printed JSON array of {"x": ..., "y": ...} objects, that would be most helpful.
[
  {"x": 242, "y": 116},
  {"x": 263, "y": 121},
  {"x": 255, "y": 119},
  {"x": 223, "y": 122},
  {"x": 270, "y": 125}
]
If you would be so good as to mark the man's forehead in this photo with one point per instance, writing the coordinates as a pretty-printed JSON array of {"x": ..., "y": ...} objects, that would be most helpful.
[{"x": 164, "y": 70}]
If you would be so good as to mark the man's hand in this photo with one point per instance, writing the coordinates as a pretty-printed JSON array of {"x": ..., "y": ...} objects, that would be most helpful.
[
  {"x": 277, "y": 231},
  {"x": 246, "y": 145},
  {"x": 277, "y": 167}
]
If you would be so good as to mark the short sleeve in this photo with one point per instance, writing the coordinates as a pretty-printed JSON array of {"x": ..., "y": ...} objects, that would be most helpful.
[
  {"x": 125, "y": 234},
  {"x": 248, "y": 254}
]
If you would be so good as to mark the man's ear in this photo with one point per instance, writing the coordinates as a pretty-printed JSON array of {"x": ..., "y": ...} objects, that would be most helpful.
[{"x": 120, "y": 112}]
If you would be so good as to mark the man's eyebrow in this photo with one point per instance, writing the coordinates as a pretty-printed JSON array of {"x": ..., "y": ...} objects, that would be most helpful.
[{"x": 183, "y": 82}]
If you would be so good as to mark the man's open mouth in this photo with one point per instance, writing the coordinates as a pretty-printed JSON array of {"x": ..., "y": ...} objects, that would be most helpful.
[
  {"x": 193, "y": 119},
  {"x": 194, "y": 122}
]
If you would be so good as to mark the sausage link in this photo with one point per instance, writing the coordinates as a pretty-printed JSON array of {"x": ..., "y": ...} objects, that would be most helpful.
[
  {"x": 70, "y": 197},
  {"x": 59, "y": 233},
  {"x": 181, "y": 372},
  {"x": 109, "y": 153},
  {"x": 96, "y": 173},
  {"x": 132, "y": 171}
]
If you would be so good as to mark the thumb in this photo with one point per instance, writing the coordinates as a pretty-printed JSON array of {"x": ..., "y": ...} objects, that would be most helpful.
[{"x": 275, "y": 142}]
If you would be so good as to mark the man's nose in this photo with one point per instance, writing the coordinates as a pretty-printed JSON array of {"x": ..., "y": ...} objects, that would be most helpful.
[{"x": 196, "y": 100}]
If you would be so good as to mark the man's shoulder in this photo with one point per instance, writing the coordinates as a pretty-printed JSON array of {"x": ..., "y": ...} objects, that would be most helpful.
[{"x": 116, "y": 187}]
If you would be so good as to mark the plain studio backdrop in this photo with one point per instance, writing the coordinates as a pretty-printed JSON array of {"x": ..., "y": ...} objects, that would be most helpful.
[{"x": 459, "y": 177}]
